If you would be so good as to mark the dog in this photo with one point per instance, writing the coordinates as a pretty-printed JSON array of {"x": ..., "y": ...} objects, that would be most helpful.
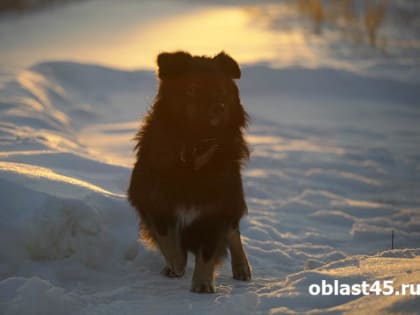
[{"x": 186, "y": 183}]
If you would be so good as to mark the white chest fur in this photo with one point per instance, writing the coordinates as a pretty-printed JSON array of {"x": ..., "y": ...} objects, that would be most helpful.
[{"x": 185, "y": 216}]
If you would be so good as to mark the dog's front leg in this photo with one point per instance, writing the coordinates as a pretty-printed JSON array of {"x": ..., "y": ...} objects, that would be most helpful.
[
  {"x": 171, "y": 249},
  {"x": 240, "y": 265},
  {"x": 203, "y": 276}
]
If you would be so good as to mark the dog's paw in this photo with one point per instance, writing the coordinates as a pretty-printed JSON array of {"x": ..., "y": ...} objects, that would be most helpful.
[
  {"x": 241, "y": 272},
  {"x": 168, "y": 272},
  {"x": 203, "y": 286}
]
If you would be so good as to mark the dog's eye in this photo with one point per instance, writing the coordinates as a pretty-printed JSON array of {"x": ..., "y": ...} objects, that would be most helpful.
[{"x": 192, "y": 90}]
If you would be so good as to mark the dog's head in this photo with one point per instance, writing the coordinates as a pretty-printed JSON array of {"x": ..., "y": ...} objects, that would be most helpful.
[{"x": 198, "y": 93}]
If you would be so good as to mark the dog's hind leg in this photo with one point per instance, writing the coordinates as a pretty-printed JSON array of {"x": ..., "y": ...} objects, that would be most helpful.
[{"x": 240, "y": 265}]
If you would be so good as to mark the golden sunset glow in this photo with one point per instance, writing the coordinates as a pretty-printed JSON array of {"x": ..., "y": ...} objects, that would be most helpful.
[{"x": 208, "y": 32}]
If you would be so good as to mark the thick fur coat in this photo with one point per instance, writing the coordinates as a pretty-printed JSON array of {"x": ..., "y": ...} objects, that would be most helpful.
[{"x": 186, "y": 183}]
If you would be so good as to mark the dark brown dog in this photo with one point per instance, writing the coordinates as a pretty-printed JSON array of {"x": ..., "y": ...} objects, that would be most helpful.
[{"x": 186, "y": 183}]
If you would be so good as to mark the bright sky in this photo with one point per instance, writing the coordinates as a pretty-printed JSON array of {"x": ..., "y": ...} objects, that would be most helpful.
[{"x": 130, "y": 34}]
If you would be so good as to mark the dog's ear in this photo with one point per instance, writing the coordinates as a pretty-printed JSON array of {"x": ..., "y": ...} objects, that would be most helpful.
[
  {"x": 228, "y": 65},
  {"x": 172, "y": 64}
]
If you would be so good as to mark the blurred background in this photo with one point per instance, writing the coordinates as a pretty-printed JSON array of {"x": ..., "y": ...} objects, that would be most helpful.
[{"x": 375, "y": 37}]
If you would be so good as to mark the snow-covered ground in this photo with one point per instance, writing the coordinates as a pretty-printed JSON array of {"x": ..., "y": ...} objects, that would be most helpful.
[{"x": 335, "y": 168}]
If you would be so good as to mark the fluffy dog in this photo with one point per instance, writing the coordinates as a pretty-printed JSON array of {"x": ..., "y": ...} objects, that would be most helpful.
[{"x": 186, "y": 183}]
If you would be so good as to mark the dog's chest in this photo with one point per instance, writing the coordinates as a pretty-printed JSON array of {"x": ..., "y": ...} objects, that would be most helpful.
[{"x": 186, "y": 216}]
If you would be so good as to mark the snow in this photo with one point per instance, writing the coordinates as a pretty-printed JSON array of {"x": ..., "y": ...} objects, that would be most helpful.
[
  {"x": 334, "y": 171},
  {"x": 324, "y": 192}
]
